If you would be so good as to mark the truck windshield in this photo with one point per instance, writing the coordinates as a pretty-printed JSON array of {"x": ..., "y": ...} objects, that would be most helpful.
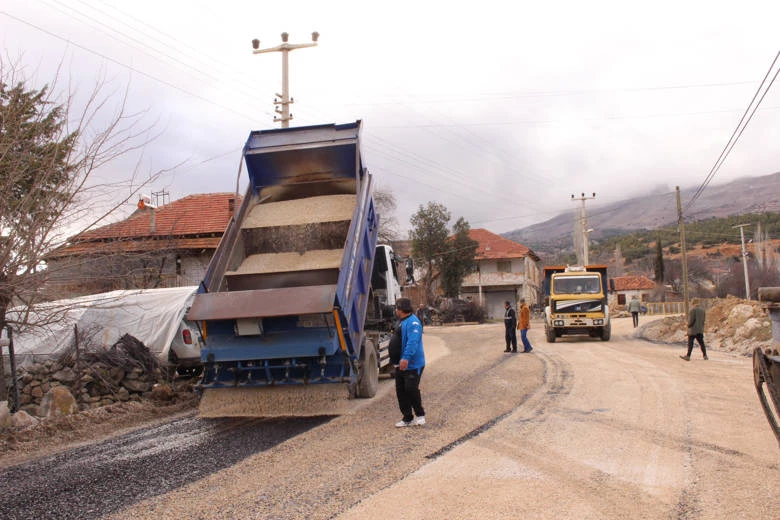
[{"x": 576, "y": 285}]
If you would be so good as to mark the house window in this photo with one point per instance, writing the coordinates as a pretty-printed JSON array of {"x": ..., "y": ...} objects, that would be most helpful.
[
  {"x": 504, "y": 266},
  {"x": 621, "y": 299}
]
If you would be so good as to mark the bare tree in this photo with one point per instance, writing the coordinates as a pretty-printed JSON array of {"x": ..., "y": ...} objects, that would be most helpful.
[
  {"x": 51, "y": 147},
  {"x": 386, "y": 207}
]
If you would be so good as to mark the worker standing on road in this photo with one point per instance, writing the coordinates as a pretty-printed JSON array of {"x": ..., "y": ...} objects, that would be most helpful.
[
  {"x": 634, "y": 307},
  {"x": 510, "y": 322},
  {"x": 524, "y": 324},
  {"x": 410, "y": 366},
  {"x": 696, "y": 318},
  {"x": 421, "y": 315}
]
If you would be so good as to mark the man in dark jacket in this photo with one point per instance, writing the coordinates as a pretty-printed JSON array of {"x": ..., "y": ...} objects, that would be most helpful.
[
  {"x": 695, "y": 329},
  {"x": 510, "y": 322}
]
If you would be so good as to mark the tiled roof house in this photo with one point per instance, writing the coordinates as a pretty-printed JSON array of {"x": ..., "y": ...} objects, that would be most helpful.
[
  {"x": 167, "y": 246},
  {"x": 626, "y": 287},
  {"x": 506, "y": 270}
]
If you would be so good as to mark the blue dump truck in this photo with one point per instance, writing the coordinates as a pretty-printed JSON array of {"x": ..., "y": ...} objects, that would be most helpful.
[{"x": 297, "y": 304}]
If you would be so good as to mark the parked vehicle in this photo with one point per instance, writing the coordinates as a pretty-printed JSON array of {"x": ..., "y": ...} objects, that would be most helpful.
[
  {"x": 577, "y": 302},
  {"x": 298, "y": 293},
  {"x": 155, "y": 317}
]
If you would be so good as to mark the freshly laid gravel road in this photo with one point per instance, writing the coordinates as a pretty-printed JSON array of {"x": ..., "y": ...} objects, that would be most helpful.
[{"x": 576, "y": 429}]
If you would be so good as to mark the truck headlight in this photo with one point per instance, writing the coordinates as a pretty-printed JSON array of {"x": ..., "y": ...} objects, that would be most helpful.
[
  {"x": 598, "y": 322},
  {"x": 558, "y": 323}
]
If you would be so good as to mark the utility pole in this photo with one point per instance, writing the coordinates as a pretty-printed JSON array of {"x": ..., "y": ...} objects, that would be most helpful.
[
  {"x": 744, "y": 260},
  {"x": 285, "y": 49},
  {"x": 585, "y": 230},
  {"x": 684, "y": 247}
]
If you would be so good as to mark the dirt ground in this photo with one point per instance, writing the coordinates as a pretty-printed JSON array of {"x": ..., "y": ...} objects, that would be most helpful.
[{"x": 733, "y": 325}]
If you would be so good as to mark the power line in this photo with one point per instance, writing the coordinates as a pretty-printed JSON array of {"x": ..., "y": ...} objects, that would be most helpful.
[{"x": 737, "y": 131}]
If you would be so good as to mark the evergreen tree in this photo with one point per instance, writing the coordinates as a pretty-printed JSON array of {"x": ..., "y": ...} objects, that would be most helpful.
[
  {"x": 458, "y": 261},
  {"x": 36, "y": 171},
  {"x": 658, "y": 265},
  {"x": 429, "y": 240}
]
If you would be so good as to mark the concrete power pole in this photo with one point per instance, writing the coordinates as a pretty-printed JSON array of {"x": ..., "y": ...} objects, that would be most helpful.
[
  {"x": 285, "y": 49},
  {"x": 684, "y": 247},
  {"x": 585, "y": 230},
  {"x": 744, "y": 260}
]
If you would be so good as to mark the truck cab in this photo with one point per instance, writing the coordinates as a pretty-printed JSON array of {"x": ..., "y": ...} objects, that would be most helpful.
[{"x": 577, "y": 305}]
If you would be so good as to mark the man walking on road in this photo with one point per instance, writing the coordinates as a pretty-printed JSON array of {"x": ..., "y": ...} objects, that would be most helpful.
[
  {"x": 634, "y": 307},
  {"x": 525, "y": 324},
  {"x": 510, "y": 322},
  {"x": 696, "y": 329},
  {"x": 410, "y": 366}
]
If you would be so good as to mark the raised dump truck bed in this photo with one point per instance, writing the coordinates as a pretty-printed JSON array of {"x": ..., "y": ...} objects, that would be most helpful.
[{"x": 287, "y": 293}]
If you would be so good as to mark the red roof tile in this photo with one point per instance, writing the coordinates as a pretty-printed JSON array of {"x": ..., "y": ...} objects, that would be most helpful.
[
  {"x": 191, "y": 215},
  {"x": 492, "y": 246},
  {"x": 633, "y": 283},
  {"x": 194, "y": 216}
]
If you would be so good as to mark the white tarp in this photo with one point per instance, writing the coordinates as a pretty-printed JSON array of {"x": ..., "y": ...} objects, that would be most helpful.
[{"x": 150, "y": 315}]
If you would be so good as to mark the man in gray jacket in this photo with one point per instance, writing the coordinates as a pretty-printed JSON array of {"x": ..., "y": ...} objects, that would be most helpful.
[{"x": 695, "y": 329}]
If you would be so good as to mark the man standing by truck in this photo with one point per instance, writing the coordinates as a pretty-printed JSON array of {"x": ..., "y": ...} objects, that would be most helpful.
[
  {"x": 510, "y": 322},
  {"x": 525, "y": 324},
  {"x": 410, "y": 366}
]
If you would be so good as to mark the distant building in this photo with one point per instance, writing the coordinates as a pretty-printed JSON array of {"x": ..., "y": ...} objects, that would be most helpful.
[
  {"x": 626, "y": 287},
  {"x": 506, "y": 271},
  {"x": 167, "y": 246}
]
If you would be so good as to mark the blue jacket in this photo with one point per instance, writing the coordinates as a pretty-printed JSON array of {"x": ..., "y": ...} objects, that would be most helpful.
[{"x": 411, "y": 340}]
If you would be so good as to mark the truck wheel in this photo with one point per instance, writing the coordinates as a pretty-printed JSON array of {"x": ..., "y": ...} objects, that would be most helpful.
[
  {"x": 550, "y": 334},
  {"x": 606, "y": 332},
  {"x": 368, "y": 374}
]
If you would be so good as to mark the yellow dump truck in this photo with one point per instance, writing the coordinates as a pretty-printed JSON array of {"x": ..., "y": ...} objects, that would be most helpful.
[{"x": 577, "y": 302}]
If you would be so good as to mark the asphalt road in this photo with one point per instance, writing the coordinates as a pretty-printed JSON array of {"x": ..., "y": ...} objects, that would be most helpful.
[{"x": 577, "y": 429}]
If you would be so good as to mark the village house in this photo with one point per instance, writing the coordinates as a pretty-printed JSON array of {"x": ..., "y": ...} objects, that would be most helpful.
[
  {"x": 626, "y": 287},
  {"x": 166, "y": 246},
  {"x": 506, "y": 271}
]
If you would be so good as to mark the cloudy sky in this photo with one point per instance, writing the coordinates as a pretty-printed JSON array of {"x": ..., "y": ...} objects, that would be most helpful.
[{"x": 499, "y": 110}]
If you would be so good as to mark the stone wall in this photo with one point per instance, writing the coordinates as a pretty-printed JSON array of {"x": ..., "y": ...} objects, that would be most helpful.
[{"x": 95, "y": 385}]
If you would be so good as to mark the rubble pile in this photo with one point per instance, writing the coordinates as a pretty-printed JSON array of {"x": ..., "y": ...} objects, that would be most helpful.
[
  {"x": 732, "y": 325},
  {"x": 125, "y": 372}
]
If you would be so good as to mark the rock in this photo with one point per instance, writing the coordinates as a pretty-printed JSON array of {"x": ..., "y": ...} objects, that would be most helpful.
[
  {"x": 162, "y": 392},
  {"x": 23, "y": 420},
  {"x": 5, "y": 415},
  {"x": 123, "y": 394},
  {"x": 747, "y": 329},
  {"x": 116, "y": 374},
  {"x": 58, "y": 402},
  {"x": 36, "y": 392},
  {"x": 740, "y": 312},
  {"x": 66, "y": 375},
  {"x": 134, "y": 385}
]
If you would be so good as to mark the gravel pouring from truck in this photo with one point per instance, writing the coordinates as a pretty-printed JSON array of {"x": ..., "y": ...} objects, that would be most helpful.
[
  {"x": 577, "y": 302},
  {"x": 298, "y": 293}
]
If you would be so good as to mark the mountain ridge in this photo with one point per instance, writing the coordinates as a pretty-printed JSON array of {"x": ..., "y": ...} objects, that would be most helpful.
[{"x": 745, "y": 195}]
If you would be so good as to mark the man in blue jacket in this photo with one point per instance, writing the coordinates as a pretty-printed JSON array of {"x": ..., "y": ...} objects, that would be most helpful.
[{"x": 410, "y": 367}]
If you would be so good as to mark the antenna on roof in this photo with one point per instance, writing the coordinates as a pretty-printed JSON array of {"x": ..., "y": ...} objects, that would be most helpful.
[{"x": 164, "y": 195}]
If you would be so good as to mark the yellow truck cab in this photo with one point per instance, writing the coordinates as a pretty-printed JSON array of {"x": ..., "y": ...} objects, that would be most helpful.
[{"x": 577, "y": 301}]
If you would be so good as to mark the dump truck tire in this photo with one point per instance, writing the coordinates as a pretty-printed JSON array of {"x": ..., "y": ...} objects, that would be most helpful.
[
  {"x": 368, "y": 374},
  {"x": 550, "y": 334},
  {"x": 606, "y": 332}
]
